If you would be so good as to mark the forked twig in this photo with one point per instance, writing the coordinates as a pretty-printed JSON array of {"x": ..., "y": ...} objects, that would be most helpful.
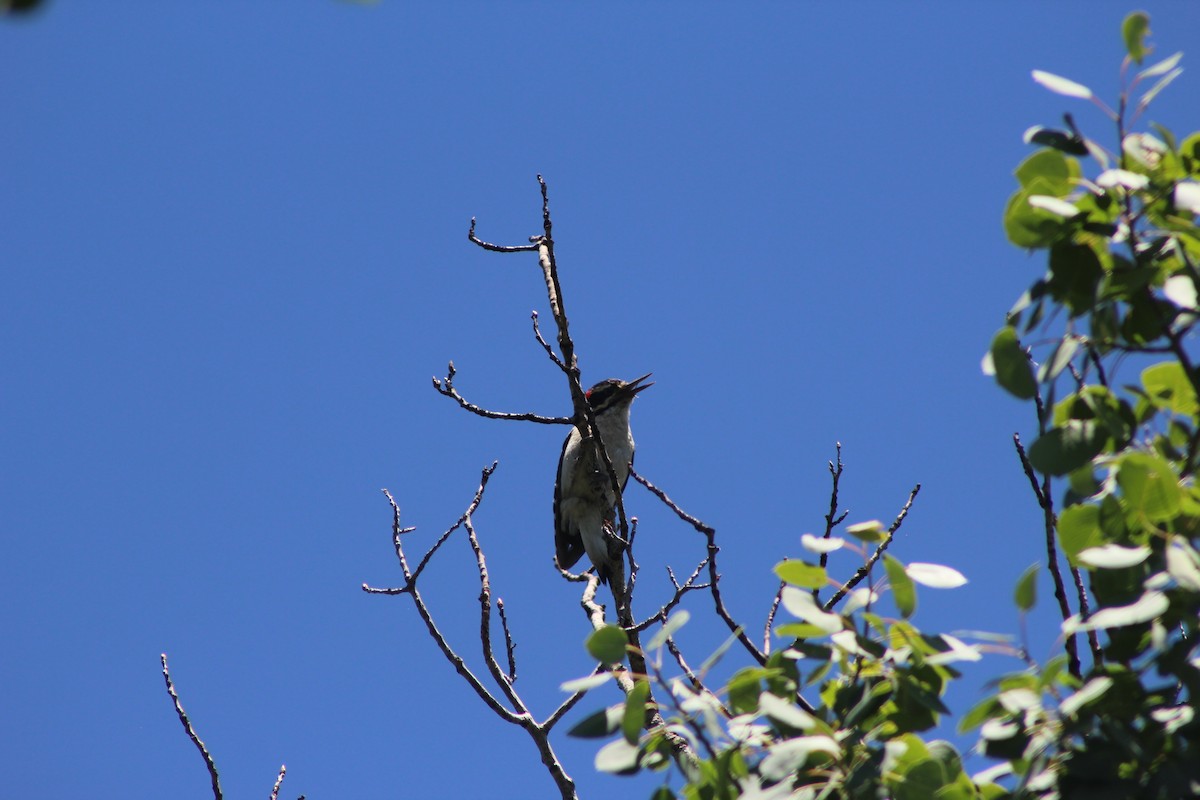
[{"x": 865, "y": 569}]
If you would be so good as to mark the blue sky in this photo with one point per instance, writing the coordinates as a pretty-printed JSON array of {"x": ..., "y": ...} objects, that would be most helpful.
[{"x": 234, "y": 253}]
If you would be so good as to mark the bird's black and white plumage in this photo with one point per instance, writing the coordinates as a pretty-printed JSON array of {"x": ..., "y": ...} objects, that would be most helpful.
[{"x": 584, "y": 501}]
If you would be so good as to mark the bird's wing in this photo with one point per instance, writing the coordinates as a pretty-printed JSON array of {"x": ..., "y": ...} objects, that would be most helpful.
[{"x": 568, "y": 547}]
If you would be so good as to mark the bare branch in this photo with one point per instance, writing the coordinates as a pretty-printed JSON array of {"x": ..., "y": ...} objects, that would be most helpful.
[
  {"x": 499, "y": 248},
  {"x": 278, "y": 782},
  {"x": 1050, "y": 519},
  {"x": 832, "y": 519},
  {"x": 771, "y": 618},
  {"x": 681, "y": 589},
  {"x": 546, "y": 345},
  {"x": 510, "y": 646},
  {"x": 865, "y": 569},
  {"x": 445, "y": 387},
  {"x": 191, "y": 732},
  {"x": 485, "y": 623},
  {"x": 410, "y": 588}
]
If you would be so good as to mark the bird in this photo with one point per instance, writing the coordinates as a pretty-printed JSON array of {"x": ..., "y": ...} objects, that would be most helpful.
[{"x": 584, "y": 501}]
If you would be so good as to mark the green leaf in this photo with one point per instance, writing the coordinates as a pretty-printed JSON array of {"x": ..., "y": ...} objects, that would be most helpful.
[
  {"x": 801, "y": 573},
  {"x": 1048, "y": 172},
  {"x": 743, "y": 689},
  {"x": 872, "y": 531},
  {"x": 599, "y": 725},
  {"x": 1189, "y": 153},
  {"x": 1066, "y": 448},
  {"x": 1134, "y": 30},
  {"x": 1013, "y": 371},
  {"x": 903, "y": 589},
  {"x": 663, "y": 793},
  {"x": 1150, "y": 488},
  {"x": 607, "y": 644},
  {"x": 1075, "y": 273},
  {"x": 1025, "y": 594},
  {"x": 1168, "y": 387},
  {"x": 1029, "y": 227},
  {"x": 634, "y": 717},
  {"x": 1079, "y": 529}
]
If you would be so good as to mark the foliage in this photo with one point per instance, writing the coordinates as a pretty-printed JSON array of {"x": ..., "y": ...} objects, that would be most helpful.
[{"x": 843, "y": 707}]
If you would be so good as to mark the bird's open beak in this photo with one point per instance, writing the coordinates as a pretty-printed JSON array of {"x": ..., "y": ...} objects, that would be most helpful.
[{"x": 636, "y": 385}]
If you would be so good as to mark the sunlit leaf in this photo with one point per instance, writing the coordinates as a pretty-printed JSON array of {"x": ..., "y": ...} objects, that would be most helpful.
[
  {"x": 1113, "y": 556},
  {"x": 1144, "y": 149},
  {"x": 1054, "y": 205},
  {"x": 1092, "y": 690},
  {"x": 800, "y": 604},
  {"x": 935, "y": 575},
  {"x": 820, "y": 544},
  {"x": 1183, "y": 564},
  {"x": 1063, "y": 86},
  {"x": 1187, "y": 196},
  {"x": 584, "y": 684},
  {"x": 786, "y": 712},
  {"x": 1161, "y": 68},
  {"x": 1149, "y": 606},
  {"x": 1123, "y": 178},
  {"x": 871, "y": 531},
  {"x": 785, "y": 757},
  {"x": 618, "y": 757},
  {"x": 1163, "y": 82},
  {"x": 1181, "y": 290},
  {"x": 860, "y": 598}
]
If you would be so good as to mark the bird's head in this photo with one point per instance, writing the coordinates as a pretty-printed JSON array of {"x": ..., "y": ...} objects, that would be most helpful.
[{"x": 614, "y": 392}]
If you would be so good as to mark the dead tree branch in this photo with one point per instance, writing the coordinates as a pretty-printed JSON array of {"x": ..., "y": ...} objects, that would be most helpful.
[
  {"x": 191, "y": 732},
  {"x": 865, "y": 569},
  {"x": 445, "y": 387},
  {"x": 1050, "y": 519}
]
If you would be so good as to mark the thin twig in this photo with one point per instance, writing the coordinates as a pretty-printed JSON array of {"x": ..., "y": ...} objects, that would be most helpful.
[
  {"x": 485, "y": 623},
  {"x": 832, "y": 520},
  {"x": 1050, "y": 519},
  {"x": 681, "y": 589},
  {"x": 278, "y": 782},
  {"x": 191, "y": 732},
  {"x": 865, "y": 569},
  {"x": 499, "y": 248},
  {"x": 546, "y": 345},
  {"x": 510, "y": 646},
  {"x": 771, "y": 618},
  {"x": 445, "y": 387},
  {"x": 714, "y": 577}
]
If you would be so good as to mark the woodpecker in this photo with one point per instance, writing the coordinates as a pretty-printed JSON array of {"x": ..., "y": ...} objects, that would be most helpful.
[{"x": 584, "y": 502}]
